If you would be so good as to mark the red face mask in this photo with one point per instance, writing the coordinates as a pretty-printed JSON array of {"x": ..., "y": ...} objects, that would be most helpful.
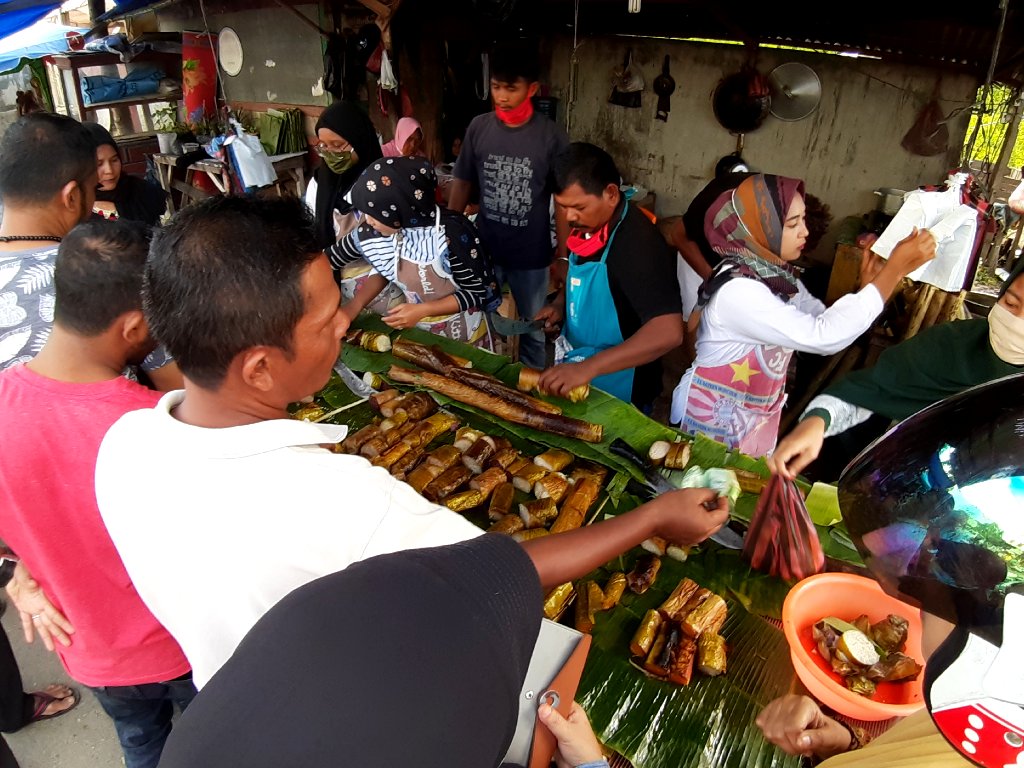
[
  {"x": 588, "y": 246},
  {"x": 516, "y": 116}
]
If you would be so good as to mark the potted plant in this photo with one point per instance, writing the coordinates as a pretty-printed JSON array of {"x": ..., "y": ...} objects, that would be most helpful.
[{"x": 168, "y": 127}]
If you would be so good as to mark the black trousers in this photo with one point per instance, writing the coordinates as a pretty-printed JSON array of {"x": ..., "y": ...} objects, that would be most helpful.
[{"x": 16, "y": 706}]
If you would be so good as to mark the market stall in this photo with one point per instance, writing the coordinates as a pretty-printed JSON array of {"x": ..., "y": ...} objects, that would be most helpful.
[{"x": 650, "y": 719}]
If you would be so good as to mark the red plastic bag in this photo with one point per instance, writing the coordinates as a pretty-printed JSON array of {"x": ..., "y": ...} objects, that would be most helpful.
[{"x": 781, "y": 539}]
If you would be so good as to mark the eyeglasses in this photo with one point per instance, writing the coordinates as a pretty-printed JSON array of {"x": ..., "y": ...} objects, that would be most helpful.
[{"x": 322, "y": 149}]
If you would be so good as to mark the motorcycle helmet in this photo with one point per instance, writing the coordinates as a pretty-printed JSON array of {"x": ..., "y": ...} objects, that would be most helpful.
[{"x": 936, "y": 509}]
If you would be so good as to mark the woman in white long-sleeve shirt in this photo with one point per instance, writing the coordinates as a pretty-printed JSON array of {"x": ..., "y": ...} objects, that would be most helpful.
[{"x": 753, "y": 312}]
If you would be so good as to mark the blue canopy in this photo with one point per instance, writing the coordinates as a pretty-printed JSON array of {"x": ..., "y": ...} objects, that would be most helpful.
[
  {"x": 15, "y": 15},
  {"x": 39, "y": 40}
]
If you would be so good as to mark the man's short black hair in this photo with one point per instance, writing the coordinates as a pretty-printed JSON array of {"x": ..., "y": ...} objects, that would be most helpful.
[
  {"x": 98, "y": 274},
  {"x": 587, "y": 165},
  {"x": 40, "y": 153},
  {"x": 512, "y": 60},
  {"x": 224, "y": 276}
]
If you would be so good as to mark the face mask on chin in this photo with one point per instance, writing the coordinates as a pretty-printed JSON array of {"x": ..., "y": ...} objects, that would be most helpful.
[
  {"x": 1006, "y": 334},
  {"x": 338, "y": 162}
]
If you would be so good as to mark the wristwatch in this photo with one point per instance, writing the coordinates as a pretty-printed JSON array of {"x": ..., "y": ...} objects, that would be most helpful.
[{"x": 8, "y": 563}]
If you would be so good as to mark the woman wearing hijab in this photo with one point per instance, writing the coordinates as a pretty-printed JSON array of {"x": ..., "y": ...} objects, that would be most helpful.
[
  {"x": 347, "y": 143},
  {"x": 433, "y": 255},
  {"x": 408, "y": 141},
  {"x": 120, "y": 195},
  {"x": 937, "y": 363},
  {"x": 753, "y": 312}
]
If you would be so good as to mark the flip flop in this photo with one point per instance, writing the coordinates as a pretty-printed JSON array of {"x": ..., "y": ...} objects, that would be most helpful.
[{"x": 44, "y": 699}]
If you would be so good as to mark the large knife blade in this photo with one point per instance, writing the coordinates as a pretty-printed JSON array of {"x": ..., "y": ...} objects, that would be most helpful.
[
  {"x": 356, "y": 385},
  {"x": 507, "y": 326},
  {"x": 657, "y": 484}
]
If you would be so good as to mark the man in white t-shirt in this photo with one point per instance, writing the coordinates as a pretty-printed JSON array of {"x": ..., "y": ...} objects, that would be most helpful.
[{"x": 218, "y": 503}]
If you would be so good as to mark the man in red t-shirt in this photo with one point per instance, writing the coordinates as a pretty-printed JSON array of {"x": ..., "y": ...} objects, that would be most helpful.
[{"x": 54, "y": 411}]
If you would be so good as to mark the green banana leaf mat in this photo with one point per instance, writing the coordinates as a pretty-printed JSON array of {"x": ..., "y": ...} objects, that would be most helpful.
[{"x": 654, "y": 724}]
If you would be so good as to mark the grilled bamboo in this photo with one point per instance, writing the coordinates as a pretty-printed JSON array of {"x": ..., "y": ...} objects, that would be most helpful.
[
  {"x": 529, "y": 381},
  {"x": 391, "y": 455},
  {"x": 525, "y": 477},
  {"x": 644, "y": 573},
  {"x": 465, "y": 437},
  {"x": 431, "y": 427},
  {"x": 418, "y": 406},
  {"x": 388, "y": 407},
  {"x": 538, "y": 513},
  {"x": 421, "y": 355},
  {"x": 709, "y": 616},
  {"x": 374, "y": 380},
  {"x": 501, "y": 501},
  {"x": 645, "y": 634},
  {"x": 589, "y": 601},
  {"x": 595, "y": 472},
  {"x": 518, "y": 463},
  {"x": 407, "y": 463},
  {"x": 353, "y": 443},
  {"x": 396, "y": 419},
  {"x": 444, "y": 456},
  {"x": 447, "y": 483},
  {"x": 370, "y": 340},
  {"x": 552, "y": 486},
  {"x": 545, "y": 422},
  {"x": 557, "y": 600},
  {"x": 613, "y": 589},
  {"x": 678, "y": 456},
  {"x": 487, "y": 481},
  {"x": 553, "y": 459},
  {"x": 475, "y": 457},
  {"x": 460, "y": 502},
  {"x": 509, "y": 524},
  {"x": 659, "y": 658},
  {"x": 680, "y": 596},
  {"x": 695, "y": 601},
  {"x": 655, "y": 545},
  {"x": 503, "y": 458},
  {"x": 422, "y": 475},
  {"x": 574, "y": 510},
  {"x": 378, "y": 399},
  {"x": 680, "y": 669},
  {"x": 711, "y": 657},
  {"x": 500, "y": 389}
]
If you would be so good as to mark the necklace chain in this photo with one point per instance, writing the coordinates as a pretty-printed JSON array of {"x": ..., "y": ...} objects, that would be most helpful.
[{"x": 14, "y": 238}]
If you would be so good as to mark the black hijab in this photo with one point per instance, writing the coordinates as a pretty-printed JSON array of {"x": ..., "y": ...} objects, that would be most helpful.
[
  {"x": 136, "y": 199},
  {"x": 413, "y": 658},
  {"x": 351, "y": 122}
]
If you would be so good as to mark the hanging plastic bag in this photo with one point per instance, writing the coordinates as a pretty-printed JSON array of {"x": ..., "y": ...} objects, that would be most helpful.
[
  {"x": 251, "y": 160},
  {"x": 388, "y": 81},
  {"x": 627, "y": 84}
]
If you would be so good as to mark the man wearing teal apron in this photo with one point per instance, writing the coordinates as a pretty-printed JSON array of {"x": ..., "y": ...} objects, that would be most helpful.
[{"x": 620, "y": 303}]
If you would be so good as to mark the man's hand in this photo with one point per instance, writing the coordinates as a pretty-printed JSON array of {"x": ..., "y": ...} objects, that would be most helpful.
[
  {"x": 577, "y": 743},
  {"x": 552, "y": 315},
  {"x": 798, "y": 449},
  {"x": 797, "y": 726},
  {"x": 690, "y": 515},
  {"x": 562, "y": 379},
  {"x": 38, "y": 614},
  {"x": 870, "y": 265},
  {"x": 404, "y": 315}
]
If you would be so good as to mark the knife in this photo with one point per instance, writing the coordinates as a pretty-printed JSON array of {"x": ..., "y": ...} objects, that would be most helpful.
[
  {"x": 657, "y": 484},
  {"x": 507, "y": 326},
  {"x": 356, "y": 385}
]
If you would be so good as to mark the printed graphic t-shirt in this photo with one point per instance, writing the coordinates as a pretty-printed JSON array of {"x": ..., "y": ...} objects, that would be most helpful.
[{"x": 512, "y": 169}]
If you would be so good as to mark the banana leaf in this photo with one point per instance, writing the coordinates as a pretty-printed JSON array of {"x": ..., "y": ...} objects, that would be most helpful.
[{"x": 657, "y": 724}]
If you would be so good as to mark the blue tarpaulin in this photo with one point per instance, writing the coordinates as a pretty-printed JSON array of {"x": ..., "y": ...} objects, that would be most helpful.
[
  {"x": 16, "y": 15},
  {"x": 39, "y": 40}
]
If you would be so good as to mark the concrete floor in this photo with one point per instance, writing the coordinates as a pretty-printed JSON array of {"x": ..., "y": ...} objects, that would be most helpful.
[{"x": 83, "y": 738}]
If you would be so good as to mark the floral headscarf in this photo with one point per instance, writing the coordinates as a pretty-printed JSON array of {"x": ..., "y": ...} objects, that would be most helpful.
[
  {"x": 745, "y": 226},
  {"x": 397, "y": 191}
]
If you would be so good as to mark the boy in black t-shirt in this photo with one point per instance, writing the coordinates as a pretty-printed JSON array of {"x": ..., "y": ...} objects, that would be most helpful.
[{"x": 507, "y": 155}]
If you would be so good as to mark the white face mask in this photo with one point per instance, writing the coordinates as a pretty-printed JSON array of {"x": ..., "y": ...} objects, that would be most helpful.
[{"x": 1006, "y": 334}]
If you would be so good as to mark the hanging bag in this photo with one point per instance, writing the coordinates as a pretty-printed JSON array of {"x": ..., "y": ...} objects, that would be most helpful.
[{"x": 627, "y": 84}]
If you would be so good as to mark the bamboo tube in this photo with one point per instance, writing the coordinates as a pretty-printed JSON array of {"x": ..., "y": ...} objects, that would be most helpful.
[{"x": 545, "y": 422}]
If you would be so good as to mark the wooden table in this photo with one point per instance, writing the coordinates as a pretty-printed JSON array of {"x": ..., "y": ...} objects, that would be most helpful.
[{"x": 291, "y": 169}]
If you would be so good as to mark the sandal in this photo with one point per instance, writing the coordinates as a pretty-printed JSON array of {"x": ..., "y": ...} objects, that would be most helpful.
[{"x": 44, "y": 700}]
